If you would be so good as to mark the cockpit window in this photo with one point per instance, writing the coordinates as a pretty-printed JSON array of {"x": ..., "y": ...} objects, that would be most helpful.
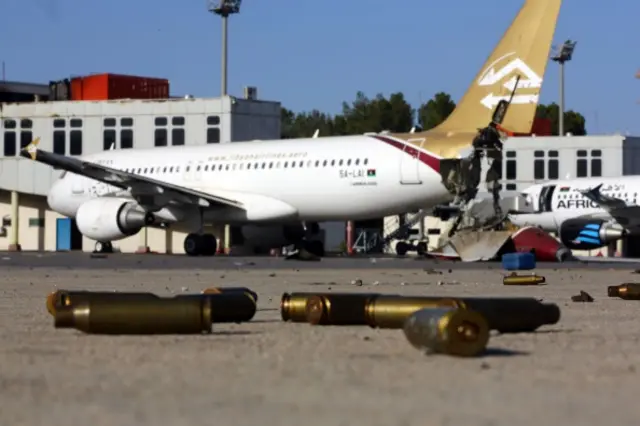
[{"x": 63, "y": 174}]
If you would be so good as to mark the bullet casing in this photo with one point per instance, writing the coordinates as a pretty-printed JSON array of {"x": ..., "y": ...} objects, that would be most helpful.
[
  {"x": 223, "y": 290},
  {"x": 392, "y": 311},
  {"x": 515, "y": 279},
  {"x": 293, "y": 305},
  {"x": 447, "y": 330},
  {"x": 338, "y": 309},
  {"x": 227, "y": 307},
  {"x": 627, "y": 291},
  {"x": 129, "y": 316},
  {"x": 504, "y": 314},
  {"x": 62, "y": 298}
]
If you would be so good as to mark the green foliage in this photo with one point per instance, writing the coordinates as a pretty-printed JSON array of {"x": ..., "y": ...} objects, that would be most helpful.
[
  {"x": 574, "y": 122},
  {"x": 396, "y": 115}
]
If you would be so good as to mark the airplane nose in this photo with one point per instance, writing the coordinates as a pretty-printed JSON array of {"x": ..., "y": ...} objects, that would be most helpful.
[{"x": 54, "y": 197}]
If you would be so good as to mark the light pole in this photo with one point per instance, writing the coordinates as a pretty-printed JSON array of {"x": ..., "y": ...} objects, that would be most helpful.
[
  {"x": 563, "y": 54},
  {"x": 224, "y": 8}
]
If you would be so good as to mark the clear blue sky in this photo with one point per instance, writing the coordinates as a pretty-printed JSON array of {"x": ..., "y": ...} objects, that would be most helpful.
[{"x": 315, "y": 54}]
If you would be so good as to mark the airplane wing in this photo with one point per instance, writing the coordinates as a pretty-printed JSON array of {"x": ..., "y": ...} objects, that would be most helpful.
[
  {"x": 606, "y": 202},
  {"x": 136, "y": 184},
  {"x": 625, "y": 214}
]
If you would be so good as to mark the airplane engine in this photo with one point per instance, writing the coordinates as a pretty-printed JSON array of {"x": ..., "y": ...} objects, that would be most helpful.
[
  {"x": 272, "y": 236},
  {"x": 545, "y": 247},
  {"x": 109, "y": 219},
  {"x": 581, "y": 234}
]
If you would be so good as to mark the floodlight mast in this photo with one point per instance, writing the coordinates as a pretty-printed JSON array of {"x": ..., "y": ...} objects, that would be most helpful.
[
  {"x": 224, "y": 8},
  {"x": 564, "y": 53}
]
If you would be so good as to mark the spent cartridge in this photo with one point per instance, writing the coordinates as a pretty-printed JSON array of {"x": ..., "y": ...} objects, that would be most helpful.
[
  {"x": 338, "y": 309},
  {"x": 392, "y": 311},
  {"x": 61, "y": 298},
  {"x": 227, "y": 307},
  {"x": 447, "y": 330},
  {"x": 293, "y": 305},
  {"x": 515, "y": 279},
  {"x": 218, "y": 290},
  {"x": 141, "y": 316},
  {"x": 506, "y": 315},
  {"x": 627, "y": 291}
]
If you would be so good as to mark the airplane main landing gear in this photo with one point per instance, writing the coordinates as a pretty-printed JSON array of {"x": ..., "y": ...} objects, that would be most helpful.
[
  {"x": 402, "y": 247},
  {"x": 200, "y": 245},
  {"x": 101, "y": 247}
]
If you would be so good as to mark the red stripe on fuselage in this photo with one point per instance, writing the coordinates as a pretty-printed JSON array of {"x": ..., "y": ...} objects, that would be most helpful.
[{"x": 425, "y": 158}]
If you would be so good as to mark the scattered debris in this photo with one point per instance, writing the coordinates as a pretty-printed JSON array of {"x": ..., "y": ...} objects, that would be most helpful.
[
  {"x": 432, "y": 271},
  {"x": 273, "y": 274},
  {"x": 582, "y": 297},
  {"x": 301, "y": 254},
  {"x": 357, "y": 283}
]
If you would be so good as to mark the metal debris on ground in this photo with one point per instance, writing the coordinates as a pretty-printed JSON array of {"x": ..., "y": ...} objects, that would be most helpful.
[{"x": 582, "y": 297}]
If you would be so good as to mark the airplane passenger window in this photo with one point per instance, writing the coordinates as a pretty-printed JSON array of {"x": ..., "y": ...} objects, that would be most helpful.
[
  {"x": 151, "y": 170},
  {"x": 357, "y": 161},
  {"x": 198, "y": 168},
  {"x": 188, "y": 168},
  {"x": 264, "y": 165},
  {"x": 317, "y": 163},
  {"x": 271, "y": 165},
  {"x": 256, "y": 165},
  {"x": 145, "y": 171},
  {"x": 220, "y": 167},
  {"x": 348, "y": 162},
  {"x": 366, "y": 161},
  {"x": 164, "y": 170},
  {"x": 248, "y": 166},
  {"x": 324, "y": 163},
  {"x": 226, "y": 167},
  {"x": 171, "y": 169},
  {"x": 206, "y": 168},
  {"x": 301, "y": 164},
  {"x": 293, "y": 164},
  {"x": 286, "y": 164}
]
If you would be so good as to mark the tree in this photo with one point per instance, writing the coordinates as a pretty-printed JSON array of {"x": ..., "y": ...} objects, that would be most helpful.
[
  {"x": 574, "y": 122},
  {"x": 375, "y": 115},
  {"x": 436, "y": 110}
]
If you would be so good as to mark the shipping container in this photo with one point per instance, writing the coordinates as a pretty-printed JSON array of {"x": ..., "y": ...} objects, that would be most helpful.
[{"x": 100, "y": 87}]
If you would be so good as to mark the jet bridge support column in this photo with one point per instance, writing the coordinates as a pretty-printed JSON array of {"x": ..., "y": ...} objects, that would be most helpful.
[
  {"x": 227, "y": 239},
  {"x": 14, "y": 236}
]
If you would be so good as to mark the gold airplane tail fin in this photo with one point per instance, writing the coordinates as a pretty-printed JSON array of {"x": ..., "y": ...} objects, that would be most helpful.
[{"x": 523, "y": 51}]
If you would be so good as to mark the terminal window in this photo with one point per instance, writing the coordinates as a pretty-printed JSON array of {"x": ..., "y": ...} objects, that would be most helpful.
[
  {"x": 75, "y": 142},
  {"x": 108, "y": 138},
  {"x": 538, "y": 165},
  {"x": 582, "y": 164},
  {"x": 596, "y": 163},
  {"x": 9, "y": 143},
  {"x": 126, "y": 138},
  {"x": 553, "y": 165},
  {"x": 59, "y": 142},
  {"x": 177, "y": 136},
  {"x": 26, "y": 135},
  {"x": 160, "y": 137},
  {"x": 213, "y": 129}
]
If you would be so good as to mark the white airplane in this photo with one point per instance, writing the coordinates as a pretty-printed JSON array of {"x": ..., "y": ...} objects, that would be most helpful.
[
  {"x": 271, "y": 188},
  {"x": 586, "y": 213}
]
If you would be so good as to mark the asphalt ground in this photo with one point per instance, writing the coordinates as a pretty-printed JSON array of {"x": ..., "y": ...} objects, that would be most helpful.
[
  {"x": 581, "y": 371},
  {"x": 166, "y": 261}
]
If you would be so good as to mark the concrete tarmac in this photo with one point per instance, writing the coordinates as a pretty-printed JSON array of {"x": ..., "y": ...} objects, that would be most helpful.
[
  {"x": 581, "y": 371},
  {"x": 82, "y": 260}
]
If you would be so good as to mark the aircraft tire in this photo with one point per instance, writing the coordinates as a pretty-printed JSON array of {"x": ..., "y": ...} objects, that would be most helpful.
[
  {"x": 402, "y": 248},
  {"x": 193, "y": 244},
  {"x": 101, "y": 247},
  {"x": 209, "y": 245},
  {"x": 315, "y": 247},
  {"x": 421, "y": 248}
]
